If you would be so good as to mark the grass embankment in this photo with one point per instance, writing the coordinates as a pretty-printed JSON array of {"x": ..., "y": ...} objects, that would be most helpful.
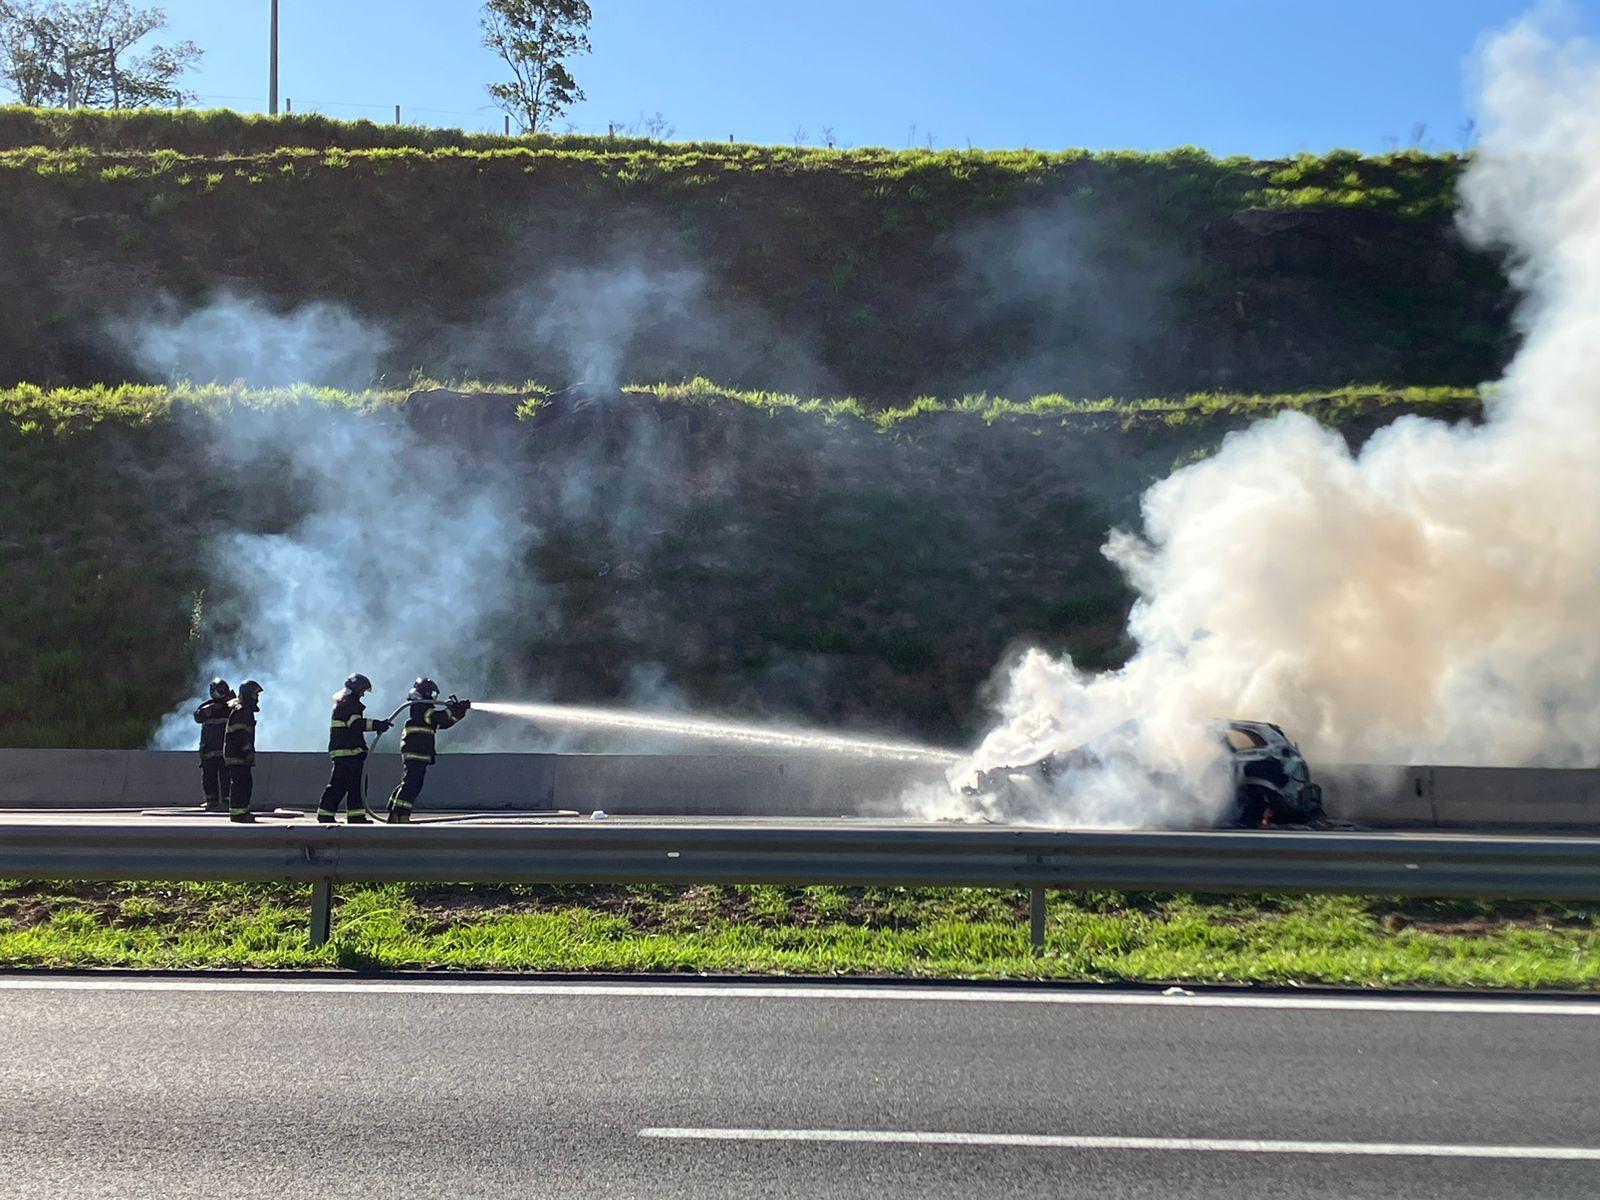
[
  {"x": 810, "y": 931},
  {"x": 162, "y": 142},
  {"x": 936, "y": 534},
  {"x": 34, "y": 409},
  {"x": 883, "y": 273},
  {"x": 1336, "y": 407}
]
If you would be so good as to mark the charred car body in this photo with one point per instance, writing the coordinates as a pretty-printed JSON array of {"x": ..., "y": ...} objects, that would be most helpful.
[{"x": 1270, "y": 778}]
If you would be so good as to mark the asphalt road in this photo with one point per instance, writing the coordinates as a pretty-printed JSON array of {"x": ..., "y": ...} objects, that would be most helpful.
[
  {"x": 178, "y": 818},
  {"x": 175, "y": 1087}
]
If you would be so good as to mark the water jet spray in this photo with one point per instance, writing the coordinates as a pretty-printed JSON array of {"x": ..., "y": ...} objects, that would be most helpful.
[{"x": 670, "y": 725}]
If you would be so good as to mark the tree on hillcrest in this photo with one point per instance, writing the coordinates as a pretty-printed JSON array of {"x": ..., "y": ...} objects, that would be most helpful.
[
  {"x": 67, "y": 53},
  {"x": 535, "y": 38}
]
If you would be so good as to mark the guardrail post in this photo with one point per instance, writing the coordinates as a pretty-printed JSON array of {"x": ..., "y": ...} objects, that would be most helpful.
[
  {"x": 1036, "y": 918},
  {"x": 321, "y": 912}
]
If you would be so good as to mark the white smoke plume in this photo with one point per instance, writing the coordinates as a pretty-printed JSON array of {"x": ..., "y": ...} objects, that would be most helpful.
[
  {"x": 1077, "y": 300},
  {"x": 233, "y": 338},
  {"x": 593, "y": 314},
  {"x": 402, "y": 559},
  {"x": 400, "y": 552},
  {"x": 637, "y": 306},
  {"x": 1435, "y": 598},
  {"x": 401, "y": 556}
]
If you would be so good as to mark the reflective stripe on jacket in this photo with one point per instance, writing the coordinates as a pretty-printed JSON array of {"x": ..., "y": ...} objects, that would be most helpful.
[
  {"x": 239, "y": 736},
  {"x": 417, "y": 743},
  {"x": 346, "y": 727}
]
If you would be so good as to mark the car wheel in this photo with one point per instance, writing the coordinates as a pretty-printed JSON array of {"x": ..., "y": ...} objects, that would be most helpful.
[{"x": 1251, "y": 807}]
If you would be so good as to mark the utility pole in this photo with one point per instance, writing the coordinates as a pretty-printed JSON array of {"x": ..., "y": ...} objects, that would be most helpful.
[{"x": 272, "y": 89}]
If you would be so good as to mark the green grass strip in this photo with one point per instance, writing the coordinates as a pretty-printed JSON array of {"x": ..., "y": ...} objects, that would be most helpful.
[
  {"x": 34, "y": 410},
  {"x": 916, "y": 933}
]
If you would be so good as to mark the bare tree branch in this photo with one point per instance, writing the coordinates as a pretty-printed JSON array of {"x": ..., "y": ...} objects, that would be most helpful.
[{"x": 37, "y": 38}]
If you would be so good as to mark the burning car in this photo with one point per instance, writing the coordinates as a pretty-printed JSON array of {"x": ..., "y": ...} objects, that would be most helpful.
[{"x": 1270, "y": 778}]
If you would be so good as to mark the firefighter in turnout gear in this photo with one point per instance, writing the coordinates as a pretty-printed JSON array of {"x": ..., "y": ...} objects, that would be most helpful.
[
  {"x": 347, "y": 746},
  {"x": 418, "y": 744},
  {"x": 212, "y": 717},
  {"x": 239, "y": 750}
]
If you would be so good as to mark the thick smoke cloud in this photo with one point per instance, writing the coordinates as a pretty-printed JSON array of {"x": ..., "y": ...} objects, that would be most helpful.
[{"x": 1432, "y": 599}]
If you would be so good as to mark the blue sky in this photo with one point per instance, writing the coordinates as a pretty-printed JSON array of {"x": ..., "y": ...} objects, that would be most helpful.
[{"x": 1258, "y": 77}]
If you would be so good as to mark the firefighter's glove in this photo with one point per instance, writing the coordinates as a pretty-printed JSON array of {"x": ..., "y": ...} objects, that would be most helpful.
[
  {"x": 383, "y": 726},
  {"x": 459, "y": 708}
]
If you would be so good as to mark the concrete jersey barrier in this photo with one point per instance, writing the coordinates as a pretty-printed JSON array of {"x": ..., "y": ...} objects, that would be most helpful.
[
  {"x": 687, "y": 785},
  {"x": 1423, "y": 797},
  {"x": 1428, "y": 797}
]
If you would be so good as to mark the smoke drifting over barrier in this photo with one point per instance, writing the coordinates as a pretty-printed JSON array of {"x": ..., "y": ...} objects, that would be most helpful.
[
  {"x": 1432, "y": 599},
  {"x": 394, "y": 551},
  {"x": 401, "y": 554},
  {"x": 376, "y": 578}
]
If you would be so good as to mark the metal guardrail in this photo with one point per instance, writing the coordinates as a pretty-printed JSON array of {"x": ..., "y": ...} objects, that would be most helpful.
[{"x": 842, "y": 854}]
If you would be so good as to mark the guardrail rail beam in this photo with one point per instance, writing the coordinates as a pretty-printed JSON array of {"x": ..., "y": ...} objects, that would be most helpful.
[{"x": 842, "y": 853}]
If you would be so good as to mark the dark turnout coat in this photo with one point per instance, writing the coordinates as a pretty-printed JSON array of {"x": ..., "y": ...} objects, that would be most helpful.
[
  {"x": 418, "y": 743},
  {"x": 239, "y": 735},
  {"x": 348, "y": 724},
  {"x": 212, "y": 717}
]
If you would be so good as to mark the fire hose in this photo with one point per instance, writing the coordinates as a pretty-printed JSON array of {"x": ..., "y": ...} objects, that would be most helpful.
[{"x": 450, "y": 701}]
